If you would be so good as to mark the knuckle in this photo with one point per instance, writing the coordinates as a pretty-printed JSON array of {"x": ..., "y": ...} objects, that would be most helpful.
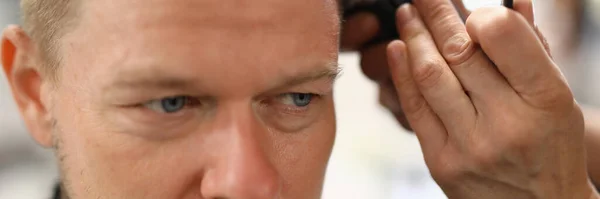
[
  {"x": 458, "y": 49},
  {"x": 555, "y": 97},
  {"x": 413, "y": 106},
  {"x": 518, "y": 143},
  {"x": 492, "y": 24},
  {"x": 484, "y": 155},
  {"x": 447, "y": 171},
  {"x": 428, "y": 73}
]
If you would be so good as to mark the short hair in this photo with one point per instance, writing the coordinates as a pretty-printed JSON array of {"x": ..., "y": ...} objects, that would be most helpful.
[{"x": 46, "y": 21}]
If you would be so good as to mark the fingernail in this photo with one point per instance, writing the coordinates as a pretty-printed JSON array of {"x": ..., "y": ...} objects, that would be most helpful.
[{"x": 405, "y": 14}]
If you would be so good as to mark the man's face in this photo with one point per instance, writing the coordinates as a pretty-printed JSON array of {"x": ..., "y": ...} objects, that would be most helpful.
[{"x": 197, "y": 99}]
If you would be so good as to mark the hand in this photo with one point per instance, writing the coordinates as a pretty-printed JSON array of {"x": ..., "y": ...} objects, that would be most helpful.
[
  {"x": 494, "y": 115},
  {"x": 360, "y": 29}
]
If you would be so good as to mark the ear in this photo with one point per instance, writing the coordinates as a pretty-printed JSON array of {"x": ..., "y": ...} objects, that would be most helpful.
[{"x": 18, "y": 62}]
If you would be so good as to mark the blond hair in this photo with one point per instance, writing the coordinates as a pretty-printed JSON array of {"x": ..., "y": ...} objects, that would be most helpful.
[{"x": 46, "y": 21}]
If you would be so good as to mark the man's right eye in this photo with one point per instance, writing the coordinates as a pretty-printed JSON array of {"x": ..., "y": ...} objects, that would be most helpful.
[{"x": 170, "y": 104}]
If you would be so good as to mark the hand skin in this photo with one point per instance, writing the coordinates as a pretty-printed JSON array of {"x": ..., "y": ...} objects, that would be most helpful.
[
  {"x": 353, "y": 37},
  {"x": 592, "y": 138},
  {"x": 494, "y": 115},
  {"x": 358, "y": 30}
]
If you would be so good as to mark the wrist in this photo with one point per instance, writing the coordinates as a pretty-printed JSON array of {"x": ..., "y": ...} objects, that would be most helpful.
[{"x": 583, "y": 189}]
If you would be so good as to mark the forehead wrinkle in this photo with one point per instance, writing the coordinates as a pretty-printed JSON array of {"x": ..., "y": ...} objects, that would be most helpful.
[
  {"x": 236, "y": 13},
  {"x": 156, "y": 78},
  {"x": 150, "y": 77},
  {"x": 156, "y": 33}
]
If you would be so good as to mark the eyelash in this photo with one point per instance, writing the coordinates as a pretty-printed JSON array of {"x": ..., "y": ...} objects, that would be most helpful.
[
  {"x": 292, "y": 109},
  {"x": 192, "y": 102}
]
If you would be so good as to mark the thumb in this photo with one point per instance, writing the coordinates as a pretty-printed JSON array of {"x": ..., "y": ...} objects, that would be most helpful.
[{"x": 514, "y": 47}]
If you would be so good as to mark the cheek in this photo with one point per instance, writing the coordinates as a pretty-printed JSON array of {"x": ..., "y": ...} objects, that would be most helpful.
[
  {"x": 303, "y": 158},
  {"x": 96, "y": 160}
]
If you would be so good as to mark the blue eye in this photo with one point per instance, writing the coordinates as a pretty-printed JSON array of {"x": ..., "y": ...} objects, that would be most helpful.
[
  {"x": 297, "y": 99},
  {"x": 168, "y": 105}
]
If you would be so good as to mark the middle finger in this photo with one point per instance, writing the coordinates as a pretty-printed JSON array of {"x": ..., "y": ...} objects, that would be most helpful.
[
  {"x": 447, "y": 28},
  {"x": 440, "y": 88}
]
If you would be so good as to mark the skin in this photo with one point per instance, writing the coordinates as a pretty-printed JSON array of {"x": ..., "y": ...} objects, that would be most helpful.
[
  {"x": 511, "y": 129},
  {"x": 361, "y": 27},
  {"x": 240, "y": 134}
]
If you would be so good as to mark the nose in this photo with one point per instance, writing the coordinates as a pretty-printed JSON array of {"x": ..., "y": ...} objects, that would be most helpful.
[{"x": 243, "y": 168}]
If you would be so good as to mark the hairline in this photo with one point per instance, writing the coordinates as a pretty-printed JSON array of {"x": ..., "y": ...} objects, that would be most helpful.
[{"x": 46, "y": 22}]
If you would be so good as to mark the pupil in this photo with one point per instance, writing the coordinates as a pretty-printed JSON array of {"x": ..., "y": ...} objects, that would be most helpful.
[
  {"x": 302, "y": 99},
  {"x": 173, "y": 104}
]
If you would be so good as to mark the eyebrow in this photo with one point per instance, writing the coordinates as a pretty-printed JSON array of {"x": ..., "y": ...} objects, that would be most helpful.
[
  {"x": 155, "y": 79},
  {"x": 331, "y": 72}
]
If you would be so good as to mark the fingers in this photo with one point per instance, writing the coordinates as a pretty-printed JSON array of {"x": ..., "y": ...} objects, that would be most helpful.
[
  {"x": 511, "y": 43},
  {"x": 358, "y": 30},
  {"x": 475, "y": 71},
  {"x": 435, "y": 80},
  {"x": 447, "y": 28},
  {"x": 426, "y": 124},
  {"x": 525, "y": 7}
]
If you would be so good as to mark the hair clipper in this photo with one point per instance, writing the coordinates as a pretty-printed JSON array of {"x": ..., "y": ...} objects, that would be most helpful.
[{"x": 385, "y": 10}]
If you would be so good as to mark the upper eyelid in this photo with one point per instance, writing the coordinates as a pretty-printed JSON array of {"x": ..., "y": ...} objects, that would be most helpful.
[{"x": 315, "y": 87}]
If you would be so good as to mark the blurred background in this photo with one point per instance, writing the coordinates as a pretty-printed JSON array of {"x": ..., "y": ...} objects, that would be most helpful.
[{"x": 373, "y": 156}]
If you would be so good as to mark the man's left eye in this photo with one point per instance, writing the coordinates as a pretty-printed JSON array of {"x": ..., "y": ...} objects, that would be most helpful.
[
  {"x": 169, "y": 104},
  {"x": 297, "y": 99}
]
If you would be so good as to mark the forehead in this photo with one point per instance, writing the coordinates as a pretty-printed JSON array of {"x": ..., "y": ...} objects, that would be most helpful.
[
  {"x": 202, "y": 36},
  {"x": 242, "y": 13}
]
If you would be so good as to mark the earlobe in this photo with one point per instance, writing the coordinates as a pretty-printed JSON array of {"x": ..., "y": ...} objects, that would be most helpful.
[{"x": 26, "y": 83}]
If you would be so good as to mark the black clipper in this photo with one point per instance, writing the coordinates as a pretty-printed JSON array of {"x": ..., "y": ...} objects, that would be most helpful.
[{"x": 385, "y": 10}]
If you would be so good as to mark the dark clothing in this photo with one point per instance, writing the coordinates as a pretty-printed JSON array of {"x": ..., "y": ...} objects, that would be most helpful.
[{"x": 56, "y": 192}]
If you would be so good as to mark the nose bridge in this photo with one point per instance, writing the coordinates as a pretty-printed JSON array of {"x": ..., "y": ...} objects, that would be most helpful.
[{"x": 244, "y": 169}]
